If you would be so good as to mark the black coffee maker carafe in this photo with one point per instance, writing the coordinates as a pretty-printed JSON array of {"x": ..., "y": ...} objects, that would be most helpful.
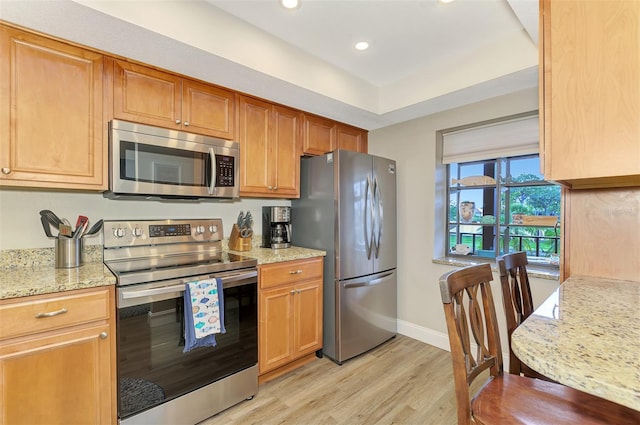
[{"x": 276, "y": 227}]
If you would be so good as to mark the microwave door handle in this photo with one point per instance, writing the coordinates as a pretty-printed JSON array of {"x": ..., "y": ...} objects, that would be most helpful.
[{"x": 213, "y": 171}]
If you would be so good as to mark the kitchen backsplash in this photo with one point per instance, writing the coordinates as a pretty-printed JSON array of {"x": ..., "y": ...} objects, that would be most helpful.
[{"x": 20, "y": 226}]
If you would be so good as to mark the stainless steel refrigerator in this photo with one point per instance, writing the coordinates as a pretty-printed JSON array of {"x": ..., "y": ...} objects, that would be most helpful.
[{"x": 347, "y": 207}]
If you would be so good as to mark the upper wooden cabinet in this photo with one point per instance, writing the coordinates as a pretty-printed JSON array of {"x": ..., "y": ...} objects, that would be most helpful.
[
  {"x": 51, "y": 122},
  {"x": 590, "y": 92},
  {"x": 322, "y": 135},
  {"x": 351, "y": 138},
  {"x": 270, "y": 139},
  {"x": 319, "y": 135},
  {"x": 148, "y": 96}
]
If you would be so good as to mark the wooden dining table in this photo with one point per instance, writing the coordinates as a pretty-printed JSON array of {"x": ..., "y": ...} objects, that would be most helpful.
[{"x": 586, "y": 335}]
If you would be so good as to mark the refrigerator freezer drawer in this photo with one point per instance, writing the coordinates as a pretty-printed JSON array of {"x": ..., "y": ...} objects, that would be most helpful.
[{"x": 367, "y": 314}]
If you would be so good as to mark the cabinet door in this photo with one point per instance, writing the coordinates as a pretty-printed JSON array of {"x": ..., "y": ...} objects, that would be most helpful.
[
  {"x": 275, "y": 328},
  {"x": 351, "y": 138},
  {"x": 307, "y": 306},
  {"x": 51, "y": 132},
  {"x": 61, "y": 378},
  {"x": 254, "y": 120},
  {"x": 208, "y": 110},
  {"x": 319, "y": 135},
  {"x": 591, "y": 92},
  {"x": 286, "y": 151},
  {"x": 146, "y": 96}
]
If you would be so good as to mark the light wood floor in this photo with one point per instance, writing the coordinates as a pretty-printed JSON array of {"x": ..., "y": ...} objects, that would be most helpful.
[{"x": 404, "y": 381}]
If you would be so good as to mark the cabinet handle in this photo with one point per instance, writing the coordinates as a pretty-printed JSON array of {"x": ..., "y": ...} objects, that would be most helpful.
[
  {"x": 295, "y": 271},
  {"x": 51, "y": 313},
  {"x": 177, "y": 121},
  {"x": 103, "y": 335},
  {"x": 186, "y": 123},
  {"x": 6, "y": 170}
]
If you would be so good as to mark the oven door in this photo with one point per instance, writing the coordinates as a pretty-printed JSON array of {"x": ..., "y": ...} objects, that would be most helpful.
[
  {"x": 152, "y": 369},
  {"x": 158, "y": 162}
]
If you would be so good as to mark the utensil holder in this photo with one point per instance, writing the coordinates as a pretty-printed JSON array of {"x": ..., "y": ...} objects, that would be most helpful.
[
  {"x": 69, "y": 252},
  {"x": 237, "y": 242}
]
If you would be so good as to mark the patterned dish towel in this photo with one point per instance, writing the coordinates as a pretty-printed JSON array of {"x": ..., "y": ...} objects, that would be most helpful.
[{"x": 203, "y": 313}]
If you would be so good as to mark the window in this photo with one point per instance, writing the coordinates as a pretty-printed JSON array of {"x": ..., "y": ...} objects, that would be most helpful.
[
  {"x": 502, "y": 205},
  {"x": 496, "y": 200}
]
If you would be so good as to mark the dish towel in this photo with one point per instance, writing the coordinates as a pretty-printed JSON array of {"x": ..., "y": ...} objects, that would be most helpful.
[{"x": 203, "y": 313}]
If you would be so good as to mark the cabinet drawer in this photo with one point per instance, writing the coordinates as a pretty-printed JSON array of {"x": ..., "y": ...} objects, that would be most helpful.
[
  {"x": 289, "y": 272},
  {"x": 49, "y": 313}
]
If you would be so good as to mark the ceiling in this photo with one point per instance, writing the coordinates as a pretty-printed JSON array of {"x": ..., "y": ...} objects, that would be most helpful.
[{"x": 424, "y": 56}]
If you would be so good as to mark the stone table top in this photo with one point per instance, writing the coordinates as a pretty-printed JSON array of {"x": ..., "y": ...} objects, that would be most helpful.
[{"x": 586, "y": 335}]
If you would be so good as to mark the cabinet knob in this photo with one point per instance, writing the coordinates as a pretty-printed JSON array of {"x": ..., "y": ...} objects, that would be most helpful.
[
  {"x": 295, "y": 271},
  {"x": 103, "y": 335},
  {"x": 6, "y": 170},
  {"x": 177, "y": 121},
  {"x": 186, "y": 123},
  {"x": 270, "y": 187},
  {"x": 275, "y": 188},
  {"x": 293, "y": 292}
]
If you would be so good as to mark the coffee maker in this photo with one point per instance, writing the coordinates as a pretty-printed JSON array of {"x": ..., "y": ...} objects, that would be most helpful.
[{"x": 276, "y": 227}]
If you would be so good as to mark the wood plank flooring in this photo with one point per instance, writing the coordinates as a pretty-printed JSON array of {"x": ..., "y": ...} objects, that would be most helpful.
[{"x": 404, "y": 381}]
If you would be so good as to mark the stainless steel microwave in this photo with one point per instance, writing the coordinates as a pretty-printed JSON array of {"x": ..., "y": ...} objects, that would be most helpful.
[{"x": 160, "y": 163}]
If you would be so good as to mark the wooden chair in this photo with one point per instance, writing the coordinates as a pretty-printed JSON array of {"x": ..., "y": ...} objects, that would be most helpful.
[
  {"x": 518, "y": 304},
  {"x": 506, "y": 398}
]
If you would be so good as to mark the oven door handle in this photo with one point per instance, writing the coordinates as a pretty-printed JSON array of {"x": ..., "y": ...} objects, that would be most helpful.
[
  {"x": 228, "y": 281},
  {"x": 137, "y": 293}
]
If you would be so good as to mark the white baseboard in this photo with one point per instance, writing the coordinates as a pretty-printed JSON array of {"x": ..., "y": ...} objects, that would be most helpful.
[
  {"x": 426, "y": 335},
  {"x": 436, "y": 338}
]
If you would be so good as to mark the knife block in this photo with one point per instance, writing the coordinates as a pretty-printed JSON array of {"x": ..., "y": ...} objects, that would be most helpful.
[{"x": 237, "y": 242}]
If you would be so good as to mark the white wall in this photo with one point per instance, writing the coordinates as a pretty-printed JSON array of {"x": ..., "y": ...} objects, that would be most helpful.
[
  {"x": 20, "y": 225},
  {"x": 412, "y": 145}
]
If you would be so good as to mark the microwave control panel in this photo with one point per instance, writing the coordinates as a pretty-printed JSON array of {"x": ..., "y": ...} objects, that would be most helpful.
[{"x": 225, "y": 166}]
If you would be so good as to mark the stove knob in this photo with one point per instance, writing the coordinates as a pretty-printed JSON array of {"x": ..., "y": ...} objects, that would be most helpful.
[
  {"x": 213, "y": 229},
  {"x": 137, "y": 232},
  {"x": 199, "y": 230},
  {"x": 119, "y": 232}
]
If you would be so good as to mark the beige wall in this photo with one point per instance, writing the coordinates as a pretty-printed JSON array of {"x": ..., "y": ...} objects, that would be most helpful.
[
  {"x": 412, "y": 145},
  {"x": 20, "y": 225}
]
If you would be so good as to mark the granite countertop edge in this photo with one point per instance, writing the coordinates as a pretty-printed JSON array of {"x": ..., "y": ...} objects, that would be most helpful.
[{"x": 28, "y": 272}]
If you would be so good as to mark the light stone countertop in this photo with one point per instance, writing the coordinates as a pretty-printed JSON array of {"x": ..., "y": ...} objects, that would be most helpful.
[
  {"x": 32, "y": 271},
  {"x": 586, "y": 335},
  {"x": 268, "y": 255}
]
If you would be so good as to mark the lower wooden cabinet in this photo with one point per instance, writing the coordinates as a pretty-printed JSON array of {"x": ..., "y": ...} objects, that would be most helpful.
[
  {"x": 290, "y": 315},
  {"x": 57, "y": 358}
]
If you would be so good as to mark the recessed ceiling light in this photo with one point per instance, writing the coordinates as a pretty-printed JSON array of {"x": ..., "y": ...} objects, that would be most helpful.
[
  {"x": 362, "y": 45},
  {"x": 445, "y": 1},
  {"x": 290, "y": 4}
]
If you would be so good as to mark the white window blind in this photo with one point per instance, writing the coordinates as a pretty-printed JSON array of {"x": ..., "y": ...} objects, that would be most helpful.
[{"x": 507, "y": 138}]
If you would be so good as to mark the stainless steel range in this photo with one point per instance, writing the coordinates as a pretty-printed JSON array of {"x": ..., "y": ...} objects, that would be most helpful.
[{"x": 157, "y": 382}]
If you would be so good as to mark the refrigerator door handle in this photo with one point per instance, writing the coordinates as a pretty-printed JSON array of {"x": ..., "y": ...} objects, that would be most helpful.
[
  {"x": 378, "y": 203},
  {"x": 368, "y": 217},
  {"x": 369, "y": 282}
]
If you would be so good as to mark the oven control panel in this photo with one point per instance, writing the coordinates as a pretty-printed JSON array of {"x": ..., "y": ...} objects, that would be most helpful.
[{"x": 119, "y": 233}]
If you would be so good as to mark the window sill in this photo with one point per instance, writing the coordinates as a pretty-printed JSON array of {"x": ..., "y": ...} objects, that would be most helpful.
[{"x": 532, "y": 270}]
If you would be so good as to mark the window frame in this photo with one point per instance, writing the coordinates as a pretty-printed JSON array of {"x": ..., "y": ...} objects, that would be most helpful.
[{"x": 502, "y": 226}]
